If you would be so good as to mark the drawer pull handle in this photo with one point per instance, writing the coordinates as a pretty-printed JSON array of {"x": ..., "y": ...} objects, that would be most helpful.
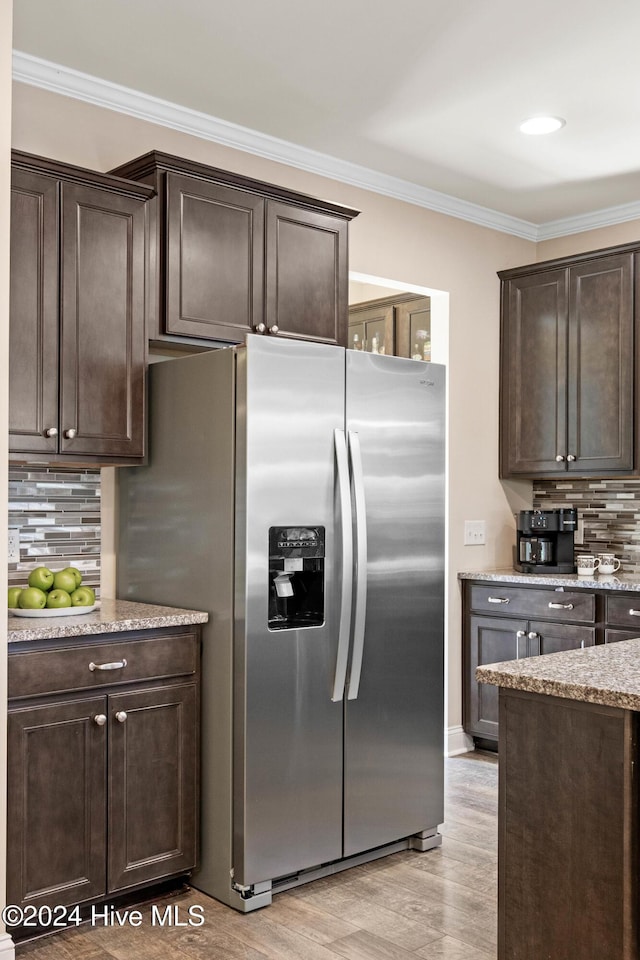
[
  {"x": 634, "y": 613},
  {"x": 116, "y": 665},
  {"x": 498, "y": 599},
  {"x": 560, "y": 606},
  {"x": 121, "y": 716},
  {"x": 100, "y": 719}
]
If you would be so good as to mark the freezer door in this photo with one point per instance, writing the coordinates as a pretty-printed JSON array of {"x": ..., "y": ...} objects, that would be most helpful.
[
  {"x": 394, "y": 728},
  {"x": 287, "y": 807}
]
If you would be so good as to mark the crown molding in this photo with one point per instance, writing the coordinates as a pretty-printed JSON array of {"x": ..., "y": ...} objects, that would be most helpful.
[
  {"x": 82, "y": 86},
  {"x": 608, "y": 217}
]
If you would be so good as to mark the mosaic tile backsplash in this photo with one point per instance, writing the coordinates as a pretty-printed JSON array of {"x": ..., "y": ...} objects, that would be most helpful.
[
  {"x": 609, "y": 509},
  {"x": 57, "y": 513}
]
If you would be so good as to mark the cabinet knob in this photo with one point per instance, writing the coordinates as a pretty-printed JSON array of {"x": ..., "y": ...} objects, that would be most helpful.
[
  {"x": 121, "y": 716},
  {"x": 100, "y": 719},
  {"x": 533, "y": 635},
  {"x": 260, "y": 327},
  {"x": 559, "y": 458},
  {"x": 274, "y": 328},
  {"x": 71, "y": 433},
  {"x": 570, "y": 457},
  {"x": 51, "y": 432}
]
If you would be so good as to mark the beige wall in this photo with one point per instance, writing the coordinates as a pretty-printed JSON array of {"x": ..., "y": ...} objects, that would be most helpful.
[
  {"x": 389, "y": 239},
  {"x": 6, "y": 9}
]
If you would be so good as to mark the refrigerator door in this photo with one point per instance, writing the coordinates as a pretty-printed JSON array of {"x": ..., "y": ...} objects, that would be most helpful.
[
  {"x": 394, "y": 728},
  {"x": 287, "y": 810}
]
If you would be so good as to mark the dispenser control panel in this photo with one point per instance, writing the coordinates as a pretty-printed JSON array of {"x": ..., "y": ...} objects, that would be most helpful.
[{"x": 296, "y": 577}]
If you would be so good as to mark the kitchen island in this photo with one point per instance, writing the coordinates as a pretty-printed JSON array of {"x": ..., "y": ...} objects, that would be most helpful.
[{"x": 568, "y": 804}]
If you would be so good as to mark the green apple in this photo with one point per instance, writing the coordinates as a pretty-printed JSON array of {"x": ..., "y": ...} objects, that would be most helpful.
[
  {"x": 83, "y": 597},
  {"x": 75, "y": 572},
  {"x": 64, "y": 580},
  {"x": 42, "y": 578},
  {"x": 58, "y": 598},
  {"x": 14, "y": 593},
  {"x": 32, "y": 598}
]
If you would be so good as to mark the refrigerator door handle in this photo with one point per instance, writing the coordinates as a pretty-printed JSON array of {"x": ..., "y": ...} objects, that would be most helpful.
[
  {"x": 344, "y": 490},
  {"x": 361, "y": 565}
]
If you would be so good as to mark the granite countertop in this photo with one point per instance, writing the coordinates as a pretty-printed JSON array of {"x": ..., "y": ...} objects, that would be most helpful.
[
  {"x": 111, "y": 616},
  {"x": 608, "y": 674},
  {"x": 615, "y": 581}
]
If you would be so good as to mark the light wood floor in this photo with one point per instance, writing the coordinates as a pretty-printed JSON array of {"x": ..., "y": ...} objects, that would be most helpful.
[{"x": 439, "y": 905}]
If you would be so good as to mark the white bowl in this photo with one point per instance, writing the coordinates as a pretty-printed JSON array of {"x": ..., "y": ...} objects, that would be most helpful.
[{"x": 52, "y": 611}]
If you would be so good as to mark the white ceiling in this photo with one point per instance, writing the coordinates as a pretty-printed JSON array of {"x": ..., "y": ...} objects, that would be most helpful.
[{"x": 427, "y": 91}]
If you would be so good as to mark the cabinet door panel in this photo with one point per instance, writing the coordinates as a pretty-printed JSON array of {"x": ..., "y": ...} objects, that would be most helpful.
[
  {"x": 102, "y": 329},
  {"x": 534, "y": 374},
  {"x": 614, "y": 636},
  {"x": 600, "y": 399},
  {"x": 490, "y": 640},
  {"x": 152, "y": 784},
  {"x": 33, "y": 335},
  {"x": 214, "y": 268},
  {"x": 557, "y": 637},
  {"x": 306, "y": 279},
  {"x": 56, "y": 803}
]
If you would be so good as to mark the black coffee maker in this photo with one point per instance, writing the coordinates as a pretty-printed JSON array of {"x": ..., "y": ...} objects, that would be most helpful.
[{"x": 545, "y": 541}]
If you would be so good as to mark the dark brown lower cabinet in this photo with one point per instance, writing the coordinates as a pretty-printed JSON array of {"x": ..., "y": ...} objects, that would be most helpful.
[
  {"x": 568, "y": 830},
  {"x": 102, "y": 784},
  {"x": 507, "y": 621},
  {"x": 57, "y": 777},
  {"x": 494, "y": 640}
]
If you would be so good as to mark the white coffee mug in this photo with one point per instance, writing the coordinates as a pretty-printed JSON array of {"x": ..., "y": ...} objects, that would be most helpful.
[
  {"x": 587, "y": 564},
  {"x": 608, "y": 563}
]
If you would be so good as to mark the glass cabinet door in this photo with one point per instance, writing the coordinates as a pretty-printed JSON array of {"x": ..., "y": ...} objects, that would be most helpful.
[
  {"x": 413, "y": 329},
  {"x": 399, "y": 325},
  {"x": 371, "y": 327}
]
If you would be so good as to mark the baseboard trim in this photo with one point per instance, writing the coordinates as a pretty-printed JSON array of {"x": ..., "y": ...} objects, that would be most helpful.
[
  {"x": 458, "y": 742},
  {"x": 7, "y": 947}
]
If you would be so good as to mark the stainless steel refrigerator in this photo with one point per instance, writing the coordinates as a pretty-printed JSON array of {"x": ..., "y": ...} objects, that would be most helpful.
[{"x": 296, "y": 492}]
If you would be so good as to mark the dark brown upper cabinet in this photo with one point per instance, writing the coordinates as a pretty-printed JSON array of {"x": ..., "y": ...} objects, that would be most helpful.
[
  {"x": 567, "y": 367},
  {"x": 77, "y": 315},
  {"x": 233, "y": 256}
]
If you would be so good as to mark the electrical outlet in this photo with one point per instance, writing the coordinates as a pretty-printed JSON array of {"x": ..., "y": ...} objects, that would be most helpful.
[
  {"x": 579, "y": 534},
  {"x": 474, "y": 532},
  {"x": 13, "y": 552}
]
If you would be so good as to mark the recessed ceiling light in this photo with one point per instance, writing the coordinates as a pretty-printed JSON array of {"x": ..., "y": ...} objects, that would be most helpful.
[{"x": 537, "y": 125}]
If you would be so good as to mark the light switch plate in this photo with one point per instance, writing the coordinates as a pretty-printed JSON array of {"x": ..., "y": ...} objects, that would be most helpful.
[
  {"x": 13, "y": 552},
  {"x": 474, "y": 532}
]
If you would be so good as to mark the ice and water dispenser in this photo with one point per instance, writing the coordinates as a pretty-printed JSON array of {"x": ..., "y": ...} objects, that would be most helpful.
[{"x": 296, "y": 577}]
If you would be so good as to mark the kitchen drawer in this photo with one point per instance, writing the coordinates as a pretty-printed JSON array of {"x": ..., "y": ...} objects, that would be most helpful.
[
  {"x": 502, "y": 598},
  {"x": 624, "y": 611},
  {"x": 68, "y": 667}
]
